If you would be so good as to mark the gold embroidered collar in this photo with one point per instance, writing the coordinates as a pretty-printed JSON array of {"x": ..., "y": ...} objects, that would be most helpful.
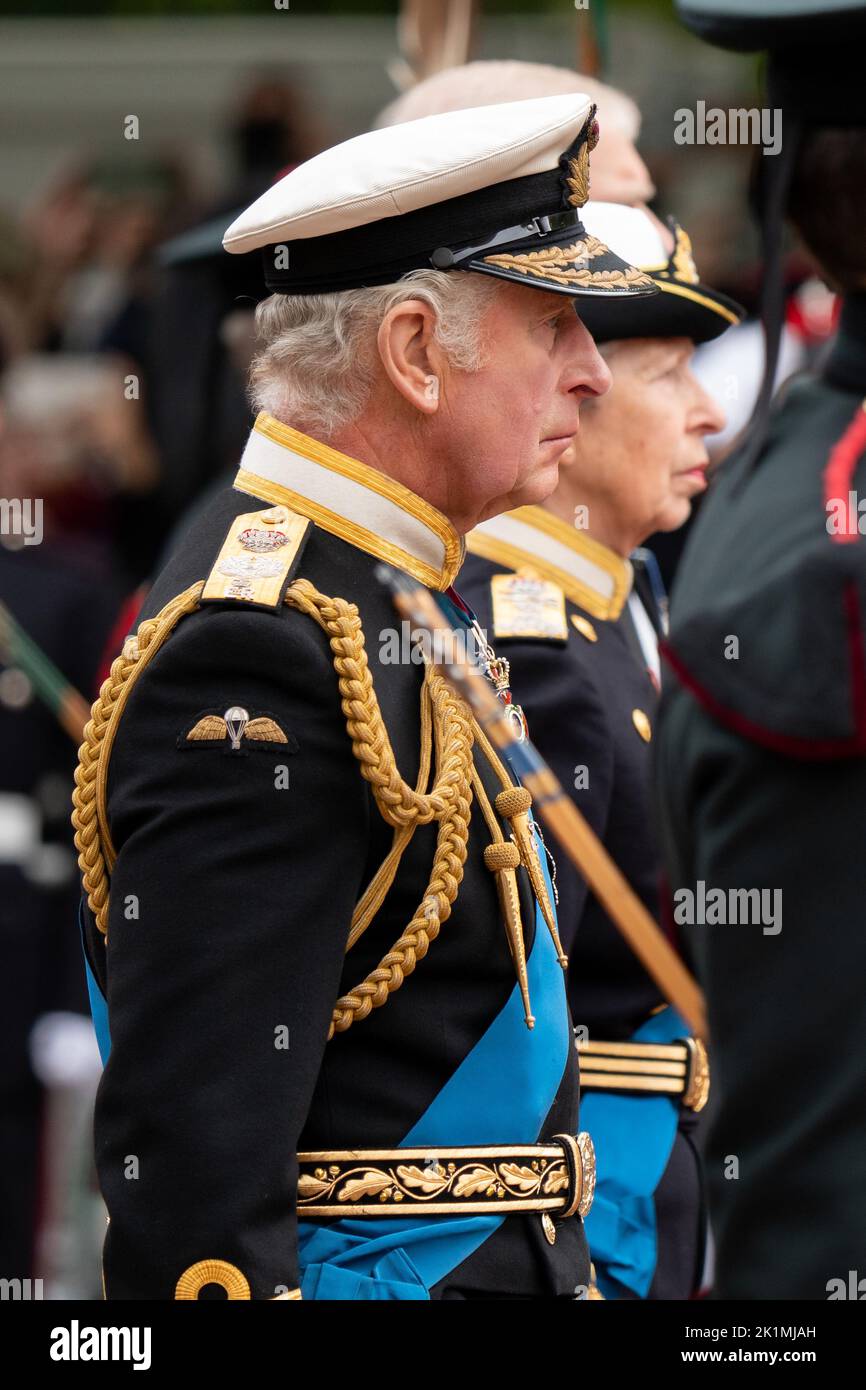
[
  {"x": 592, "y": 576},
  {"x": 350, "y": 500}
]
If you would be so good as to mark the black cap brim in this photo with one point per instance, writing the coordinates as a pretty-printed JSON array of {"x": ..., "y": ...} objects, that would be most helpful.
[
  {"x": 580, "y": 266},
  {"x": 678, "y": 311}
]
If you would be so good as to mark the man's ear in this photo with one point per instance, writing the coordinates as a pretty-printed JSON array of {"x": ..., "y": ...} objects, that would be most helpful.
[{"x": 411, "y": 357}]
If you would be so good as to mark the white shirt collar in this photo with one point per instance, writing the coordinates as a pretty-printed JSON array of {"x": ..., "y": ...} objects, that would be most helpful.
[
  {"x": 351, "y": 500},
  {"x": 591, "y": 575}
]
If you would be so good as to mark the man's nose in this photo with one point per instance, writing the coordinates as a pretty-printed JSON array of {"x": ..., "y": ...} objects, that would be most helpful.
[{"x": 587, "y": 373}]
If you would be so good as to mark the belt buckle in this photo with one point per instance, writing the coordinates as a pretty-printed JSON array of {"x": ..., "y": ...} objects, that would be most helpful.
[
  {"x": 697, "y": 1088},
  {"x": 580, "y": 1157}
]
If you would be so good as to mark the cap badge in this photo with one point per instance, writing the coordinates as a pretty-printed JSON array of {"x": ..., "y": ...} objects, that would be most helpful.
[
  {"x": 577, "y": 178},
  {"x": 682, "y": 262}
]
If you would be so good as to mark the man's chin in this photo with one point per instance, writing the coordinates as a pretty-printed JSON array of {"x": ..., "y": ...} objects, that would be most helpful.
[
  {"x": 542, "y": 483},
  {"x": 532, "y": 491}
]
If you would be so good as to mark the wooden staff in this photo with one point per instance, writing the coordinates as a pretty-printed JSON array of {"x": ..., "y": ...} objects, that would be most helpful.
[
  {"x": 18, "y": 649},
  {"x": 556, "y": 809},
  {"x": 433, "y": 34}
]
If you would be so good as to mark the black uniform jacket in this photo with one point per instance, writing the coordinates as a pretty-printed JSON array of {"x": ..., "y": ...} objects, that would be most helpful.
[
  {"x": 591, "y": 706},
  {"x": 558, "y": 605},
  {"x": 763, "y": 784},
  {"x": 231, "y": 899}
]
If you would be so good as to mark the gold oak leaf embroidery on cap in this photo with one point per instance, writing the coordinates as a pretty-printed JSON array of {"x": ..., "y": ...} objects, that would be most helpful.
[{"x": 566, "y": 265}]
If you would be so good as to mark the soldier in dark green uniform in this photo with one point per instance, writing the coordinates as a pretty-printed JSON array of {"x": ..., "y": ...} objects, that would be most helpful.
[
  {"x": 563, "y": 602},
  {"x": 304, "y": 907},
  {"x": 763, "y": 729}
]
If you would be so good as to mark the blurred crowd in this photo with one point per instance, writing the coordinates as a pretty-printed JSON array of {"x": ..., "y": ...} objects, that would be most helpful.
[{"x": 122, "y": 396}]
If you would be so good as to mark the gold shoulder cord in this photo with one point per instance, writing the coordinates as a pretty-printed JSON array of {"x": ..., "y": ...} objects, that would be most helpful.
[
  {"x": 446, "y": 725},
  {"x": 96, "y": 854},
  {"x": 400, "y": 805}
]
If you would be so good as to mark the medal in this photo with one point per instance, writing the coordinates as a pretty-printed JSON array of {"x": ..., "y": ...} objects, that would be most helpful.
[{"x": 497, "y": 669}]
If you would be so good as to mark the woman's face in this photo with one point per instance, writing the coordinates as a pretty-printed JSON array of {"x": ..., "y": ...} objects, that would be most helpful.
[{"x": 640, "y": 458}]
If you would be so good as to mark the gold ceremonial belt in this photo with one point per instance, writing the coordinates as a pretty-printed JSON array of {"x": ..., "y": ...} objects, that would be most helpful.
[
  {"x": 557, "y": 1177},
  {"x": 668, "y": 1069}
]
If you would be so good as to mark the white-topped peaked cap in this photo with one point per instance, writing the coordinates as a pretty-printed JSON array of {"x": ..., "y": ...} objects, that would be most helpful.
[
  {"x": 405, "y": 167},
  {"x": 632, "y": 231},
  {"x": 684, "y": 307},
  {"x": 493, "y": 189}
]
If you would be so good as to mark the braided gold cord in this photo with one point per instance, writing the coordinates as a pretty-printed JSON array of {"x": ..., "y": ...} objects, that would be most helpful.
[
  {"x": 401, "y": 806},
  {"x": 92, "y": 838},
  {"x": 452, "y": 725},
  {"x": 494, "y": 760},
  {"x": 448, "y": 803},
  {"x": 377, "y": 889}
]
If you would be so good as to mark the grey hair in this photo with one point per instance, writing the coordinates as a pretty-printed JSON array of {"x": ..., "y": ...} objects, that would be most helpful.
[{"x": 317, "y": 360}]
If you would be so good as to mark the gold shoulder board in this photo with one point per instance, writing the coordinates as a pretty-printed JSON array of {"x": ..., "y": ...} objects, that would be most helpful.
[
  {"x": 525, "y": 605},
  {"x": 258, "y": 558}
]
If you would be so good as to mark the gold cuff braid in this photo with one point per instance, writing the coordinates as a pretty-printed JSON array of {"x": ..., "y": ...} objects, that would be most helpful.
[{"x": 448, "y": 802}]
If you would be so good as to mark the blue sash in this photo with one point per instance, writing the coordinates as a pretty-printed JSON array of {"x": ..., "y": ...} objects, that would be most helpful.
[
  {"x": 98, "y": 1006},
  {"x": 634, "y": 1136},
  {"x": 500, "y": 1094}
]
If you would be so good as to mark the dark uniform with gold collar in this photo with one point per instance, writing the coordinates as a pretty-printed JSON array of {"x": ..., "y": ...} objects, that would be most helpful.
[
  {"x": 591, "y": 706},
  {"x": 581, "y": 643},
  {"x": 319, "y": 1073}
]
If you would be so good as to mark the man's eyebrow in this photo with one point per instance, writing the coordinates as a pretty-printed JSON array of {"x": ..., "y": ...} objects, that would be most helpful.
[{"x": 554, "y": 312}]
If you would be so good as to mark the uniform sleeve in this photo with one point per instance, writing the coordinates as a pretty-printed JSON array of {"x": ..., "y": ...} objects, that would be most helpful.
[
  {"x": 785, "y": 997},
  {"x": 231, "y": 899}
]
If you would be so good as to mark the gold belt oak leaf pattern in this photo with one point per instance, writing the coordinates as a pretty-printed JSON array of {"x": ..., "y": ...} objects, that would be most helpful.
[{"x": 556, "y": 1177}]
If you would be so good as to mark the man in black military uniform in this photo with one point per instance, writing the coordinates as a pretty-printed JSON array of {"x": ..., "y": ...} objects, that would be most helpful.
[
  {"x": 553, "y": 585},
  {"x": 304, "y": 903},
  {"x": 763, "y": 731}
]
